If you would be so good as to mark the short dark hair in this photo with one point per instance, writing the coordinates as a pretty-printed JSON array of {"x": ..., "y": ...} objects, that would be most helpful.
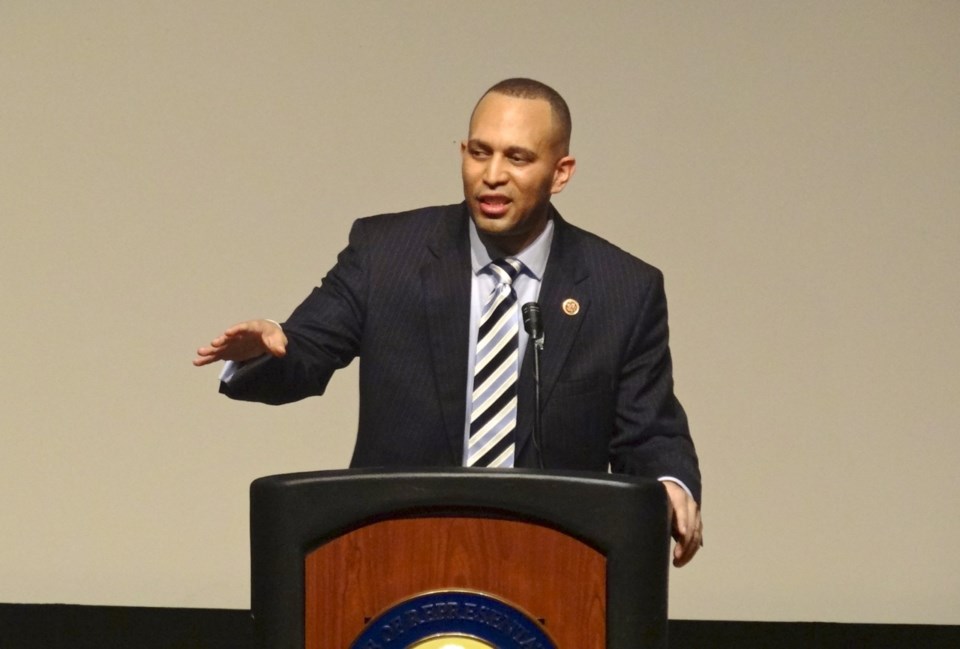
[{"x": 533, "y": 89}]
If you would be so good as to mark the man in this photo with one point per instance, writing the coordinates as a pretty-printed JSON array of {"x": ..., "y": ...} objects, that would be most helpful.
[{"x": 403, "y": 298}]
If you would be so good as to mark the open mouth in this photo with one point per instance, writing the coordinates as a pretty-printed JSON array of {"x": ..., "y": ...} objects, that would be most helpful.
[{"x": 494, "y": 205}]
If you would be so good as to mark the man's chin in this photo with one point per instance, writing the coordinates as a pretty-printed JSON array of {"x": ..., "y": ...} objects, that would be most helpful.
[
  {"x": 494, "y": 226},
  {"x": 498, "y": 233},
  {"x": 504, "y": 238}
]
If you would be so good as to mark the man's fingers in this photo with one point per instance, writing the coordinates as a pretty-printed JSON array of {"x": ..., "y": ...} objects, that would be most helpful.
[
  {"x": 203, "y": 359},
  {"x": 686, "y": 525},
  {"x": 244, "y": 341},
  {"x": 242, "y": 328},
  {"x": 688, "y": 544}
]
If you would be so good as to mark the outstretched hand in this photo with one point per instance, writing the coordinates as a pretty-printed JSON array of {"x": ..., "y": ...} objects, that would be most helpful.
[
  {"x": 244, "y": 341},
  {"x": 685, "y": 521}
]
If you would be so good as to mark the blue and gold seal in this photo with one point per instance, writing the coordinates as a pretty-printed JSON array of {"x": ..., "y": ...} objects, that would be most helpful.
[{"x": 453, "y": 620}]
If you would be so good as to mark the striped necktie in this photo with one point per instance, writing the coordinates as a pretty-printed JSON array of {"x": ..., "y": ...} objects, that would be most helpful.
[{"x": 493, "y": 416}]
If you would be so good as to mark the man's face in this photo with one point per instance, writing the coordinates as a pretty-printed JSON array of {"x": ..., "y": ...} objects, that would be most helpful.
[{"x": 512, "y": 163}]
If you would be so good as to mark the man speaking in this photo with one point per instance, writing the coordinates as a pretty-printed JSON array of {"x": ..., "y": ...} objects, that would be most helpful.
[{"x": 430, "y": 301}]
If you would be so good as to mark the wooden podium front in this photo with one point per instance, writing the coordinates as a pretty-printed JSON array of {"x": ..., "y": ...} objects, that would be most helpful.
[
  {"x": 547, "y": 573},
  {"x": 585, "y": 555}
]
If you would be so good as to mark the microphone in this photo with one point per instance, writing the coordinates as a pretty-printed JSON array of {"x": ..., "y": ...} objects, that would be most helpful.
[{"x": 533, "y": 325}]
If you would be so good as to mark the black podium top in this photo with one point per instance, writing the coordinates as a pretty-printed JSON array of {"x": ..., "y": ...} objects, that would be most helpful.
[{"x": 623, "y": 518}]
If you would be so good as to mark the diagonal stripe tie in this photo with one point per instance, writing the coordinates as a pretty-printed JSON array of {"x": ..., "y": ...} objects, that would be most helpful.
[{"x": 493, "y": 414}]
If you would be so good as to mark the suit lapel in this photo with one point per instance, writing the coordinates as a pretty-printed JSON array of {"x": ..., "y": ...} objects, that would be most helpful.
[
  {"x": 565, "y": 278},
  {"x": 445, "y": 279}
]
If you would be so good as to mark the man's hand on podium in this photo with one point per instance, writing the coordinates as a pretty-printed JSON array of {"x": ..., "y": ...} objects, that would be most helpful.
[
  {"x": 244, "y": 341},
  {"x": 686, "y": 525}
]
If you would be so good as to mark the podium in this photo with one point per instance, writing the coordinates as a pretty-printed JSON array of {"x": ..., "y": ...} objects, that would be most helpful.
[{"x": 377, "y": 560}]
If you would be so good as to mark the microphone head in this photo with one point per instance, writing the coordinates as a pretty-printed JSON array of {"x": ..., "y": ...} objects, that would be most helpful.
[{"x": 531, "y": 320}]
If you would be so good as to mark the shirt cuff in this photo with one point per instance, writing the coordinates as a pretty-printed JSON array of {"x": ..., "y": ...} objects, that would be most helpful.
[{"x": 666, "y": 478}]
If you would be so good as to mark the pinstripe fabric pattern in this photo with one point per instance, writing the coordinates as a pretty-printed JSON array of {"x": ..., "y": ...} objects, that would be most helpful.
[{"x": 493, "y": 415}]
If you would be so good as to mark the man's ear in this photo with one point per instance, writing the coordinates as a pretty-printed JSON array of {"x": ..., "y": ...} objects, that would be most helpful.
[{"x": 562, "y": 173}]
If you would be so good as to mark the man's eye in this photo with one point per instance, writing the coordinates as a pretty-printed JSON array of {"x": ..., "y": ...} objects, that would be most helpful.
[{"x": 476, "y": 153}]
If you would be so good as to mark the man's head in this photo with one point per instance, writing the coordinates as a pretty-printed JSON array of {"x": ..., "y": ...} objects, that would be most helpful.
[{"x": 515, "y": 158}]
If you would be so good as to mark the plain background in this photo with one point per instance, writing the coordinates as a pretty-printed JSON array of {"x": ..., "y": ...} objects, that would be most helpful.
[{"x": 170, "y": 167}]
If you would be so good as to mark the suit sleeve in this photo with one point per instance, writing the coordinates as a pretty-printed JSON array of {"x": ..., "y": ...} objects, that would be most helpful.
[
  {"x": 652, "y": 437},
  {"x": 323, "y": 335}
]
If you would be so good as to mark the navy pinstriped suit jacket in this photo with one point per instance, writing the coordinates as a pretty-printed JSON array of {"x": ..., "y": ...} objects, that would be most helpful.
[{"x": 399, "y": 298}]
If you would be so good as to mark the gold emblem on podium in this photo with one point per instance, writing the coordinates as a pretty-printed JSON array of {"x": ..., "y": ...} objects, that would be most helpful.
[{"x": 452, "y": 642}]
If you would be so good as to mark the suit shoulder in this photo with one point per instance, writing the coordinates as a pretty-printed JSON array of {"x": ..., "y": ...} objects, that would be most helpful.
[
  {"x": 602, "y": 255},
  {"x": 423, "y": 220}
]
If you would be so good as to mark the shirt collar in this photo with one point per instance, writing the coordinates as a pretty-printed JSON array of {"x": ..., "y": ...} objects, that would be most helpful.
[{"x": 534, "y": 256}]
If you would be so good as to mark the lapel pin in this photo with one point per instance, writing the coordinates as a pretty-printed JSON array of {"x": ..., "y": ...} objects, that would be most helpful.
[{"x": 571, "y": 306}]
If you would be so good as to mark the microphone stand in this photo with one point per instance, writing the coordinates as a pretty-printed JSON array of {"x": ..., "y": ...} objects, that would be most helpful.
[
  {"x": 537, "y": 432},
  {"x": 534, "y": 326}
]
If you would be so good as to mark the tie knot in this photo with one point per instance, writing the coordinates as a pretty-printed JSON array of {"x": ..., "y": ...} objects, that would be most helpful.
[{"x": 506, "y": 269}]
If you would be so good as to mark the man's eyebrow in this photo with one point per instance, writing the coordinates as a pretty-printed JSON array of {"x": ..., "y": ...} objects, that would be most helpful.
[{"x": 522, "y": 152}]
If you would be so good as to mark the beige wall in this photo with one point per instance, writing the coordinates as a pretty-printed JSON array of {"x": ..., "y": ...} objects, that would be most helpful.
[{"x": 167, "y": 168}]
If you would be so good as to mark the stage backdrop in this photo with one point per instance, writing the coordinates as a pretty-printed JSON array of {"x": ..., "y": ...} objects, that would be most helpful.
[{"x": 169, "y": 168}]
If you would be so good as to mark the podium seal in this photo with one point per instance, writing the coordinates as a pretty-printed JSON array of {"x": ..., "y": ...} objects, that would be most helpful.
[{"x": 453, "y": 620}]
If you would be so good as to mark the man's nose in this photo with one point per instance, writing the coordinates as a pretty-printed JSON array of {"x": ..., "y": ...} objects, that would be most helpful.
[{"x": 494, "y": 173}]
